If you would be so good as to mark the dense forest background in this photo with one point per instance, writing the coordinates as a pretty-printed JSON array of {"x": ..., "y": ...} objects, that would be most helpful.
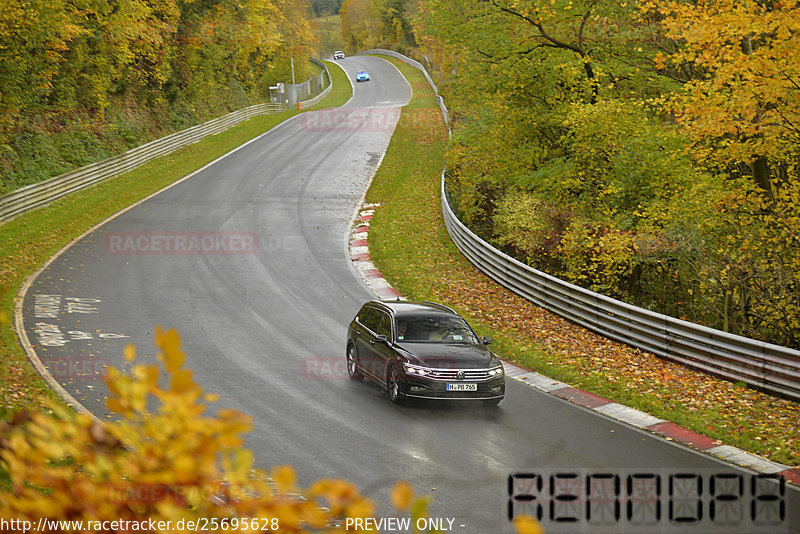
[
  {"x": 81, "y": 80},
  {"x": 644, "y": 149}
]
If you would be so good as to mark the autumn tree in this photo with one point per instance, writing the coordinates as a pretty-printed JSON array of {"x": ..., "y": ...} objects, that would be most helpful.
[
  {"x": 604, "y": 142},
  {"x": 396, "y": 16},
  {"x": 371, "y": 23},
  {"x": 298, "y": 38},
  {"x": 593, "y": 42},
  {"x": 359, "y": 24},
  {"x": 741, "y": 102},
  {"x": 34, "y": 42},
  {"x": 740, "y": 105},
  {"x": 82, "y": 80},
  {"x": 521, "y": 68}
]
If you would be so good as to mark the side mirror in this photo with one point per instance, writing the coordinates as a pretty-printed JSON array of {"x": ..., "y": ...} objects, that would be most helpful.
[
  {"x": 486, "y": 340},
  {"x": 382, "y": 339}
]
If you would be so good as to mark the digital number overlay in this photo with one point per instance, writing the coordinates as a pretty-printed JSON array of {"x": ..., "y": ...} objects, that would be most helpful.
[{"x": 657, "y": 500}]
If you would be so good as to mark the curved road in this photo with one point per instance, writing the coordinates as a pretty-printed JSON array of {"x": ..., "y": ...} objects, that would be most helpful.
[{"x": 263, "y": 312}]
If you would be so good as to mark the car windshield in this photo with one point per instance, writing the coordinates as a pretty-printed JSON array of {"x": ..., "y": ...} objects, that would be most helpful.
[{"x": 434, "y": 329}]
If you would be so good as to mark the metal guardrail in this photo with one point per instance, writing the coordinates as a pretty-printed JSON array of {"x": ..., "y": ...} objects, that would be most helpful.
[
  {"x": 772, "y": 368},
  {"x": 41, "y": 193},
  {"x": 322, "y": 76},
  {"x": 312, "y": 90},
  {"x": 414, "y": 63}
]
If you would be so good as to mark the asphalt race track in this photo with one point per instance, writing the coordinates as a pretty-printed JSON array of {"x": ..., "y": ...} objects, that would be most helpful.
[{"x": 263, "y": 310}]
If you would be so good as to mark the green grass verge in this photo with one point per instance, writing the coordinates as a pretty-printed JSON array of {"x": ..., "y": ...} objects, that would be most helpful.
[
  {"x": 27, "y": 241},
  {"x": 342, "y": 88},
  {"x": 410, "y": 245}
]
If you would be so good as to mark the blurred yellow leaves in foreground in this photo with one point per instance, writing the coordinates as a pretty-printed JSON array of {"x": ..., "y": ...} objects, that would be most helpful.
[{"x": 165, "y": 459}]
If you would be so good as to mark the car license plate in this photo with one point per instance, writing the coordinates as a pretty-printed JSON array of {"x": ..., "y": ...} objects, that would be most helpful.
[{"x": 462, "y": 387}]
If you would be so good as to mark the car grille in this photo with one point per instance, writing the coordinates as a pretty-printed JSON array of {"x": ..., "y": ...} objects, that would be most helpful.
[{"x": 453, "y": 374}]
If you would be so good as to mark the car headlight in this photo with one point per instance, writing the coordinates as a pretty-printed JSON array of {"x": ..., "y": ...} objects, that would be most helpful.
[
  {"x": 496, "y": 371},
  {"x": 415, "y": 370}
]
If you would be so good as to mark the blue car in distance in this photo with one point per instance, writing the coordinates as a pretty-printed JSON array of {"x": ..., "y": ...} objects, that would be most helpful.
[{"x": 362, "y": 76}]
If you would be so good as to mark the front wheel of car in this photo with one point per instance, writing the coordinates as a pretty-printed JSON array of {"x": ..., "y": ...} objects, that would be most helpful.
[
  {"x": 393, "y": 385},
  {"x": 352, "y": 364}
]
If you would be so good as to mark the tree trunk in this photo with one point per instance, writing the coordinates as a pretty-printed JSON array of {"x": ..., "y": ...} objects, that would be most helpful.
[
  {"x": 761, "y": 175},
  {"x": 590, "y": 75}
]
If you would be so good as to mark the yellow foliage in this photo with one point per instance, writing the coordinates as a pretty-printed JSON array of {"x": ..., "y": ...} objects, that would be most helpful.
[
  {"x": 359, "y": 24},
  {"x": 401, "y": 495},
  {"x": 165, "y": 459},
  {"x": 527, "y": 525},
  {"x": 745, "y": 92},
  {"x": 597, "y": 258}
]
